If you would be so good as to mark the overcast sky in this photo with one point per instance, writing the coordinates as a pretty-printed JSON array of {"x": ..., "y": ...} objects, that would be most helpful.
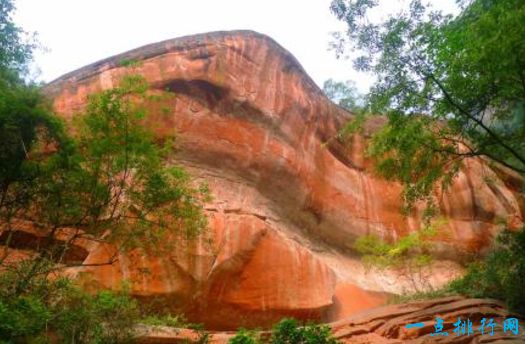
[{"x": 79, "y": 32}]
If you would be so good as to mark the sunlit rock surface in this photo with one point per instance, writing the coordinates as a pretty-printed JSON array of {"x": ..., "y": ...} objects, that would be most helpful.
[{"x": 289, "y": 199}]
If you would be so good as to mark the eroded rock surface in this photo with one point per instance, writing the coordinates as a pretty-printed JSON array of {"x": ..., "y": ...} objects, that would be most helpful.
[{"x": 289, "y": 198}]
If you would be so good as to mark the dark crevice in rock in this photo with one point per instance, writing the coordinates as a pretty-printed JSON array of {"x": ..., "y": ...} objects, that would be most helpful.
[{"x": 28, "y": 241}]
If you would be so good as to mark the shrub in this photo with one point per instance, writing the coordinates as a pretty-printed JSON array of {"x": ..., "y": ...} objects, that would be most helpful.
[
  {"x": 288, "y": 331},
  {"x": 412, "y": 249},
  {"x": 22, "y": 317},
  {"x": 59, "y": 309},
  {"x": 170, "y": 320},
  {"x": 409, "y": 255},
  {"x": 500, "y": 275},
  {"x": 245, "y": 337},
  {"x": 105, "y": 318}
]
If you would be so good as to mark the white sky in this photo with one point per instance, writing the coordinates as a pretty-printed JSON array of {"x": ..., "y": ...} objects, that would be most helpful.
[{"x": 79, "y": 32}]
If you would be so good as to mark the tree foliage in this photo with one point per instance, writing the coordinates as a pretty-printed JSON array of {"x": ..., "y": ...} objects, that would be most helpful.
[
  {"x": 109, "y": 182},
  {"x": 452, "y": 87},
  {"x": 58, "y": 309},
  {"x": 288, "y": 331},
  {"x": 244, "y": 336},
  {"x": 16, "y": 45},
  {"x": 410, "y": 255},
  {"x": 24, "y": 117},
  {"x": 413, "y": 249},
  {"x": 344, "y": 94},
  {"x": 500, "y": 275}
]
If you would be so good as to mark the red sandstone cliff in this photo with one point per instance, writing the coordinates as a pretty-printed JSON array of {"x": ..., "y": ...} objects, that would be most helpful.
[{"x": 287, "y": 207}]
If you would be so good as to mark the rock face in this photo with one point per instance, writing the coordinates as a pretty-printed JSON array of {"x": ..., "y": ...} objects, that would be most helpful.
[{"x": 289, "y": 199}]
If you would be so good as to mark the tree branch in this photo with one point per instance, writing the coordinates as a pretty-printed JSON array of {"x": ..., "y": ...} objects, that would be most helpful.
[{"x": 480, "y": 123}]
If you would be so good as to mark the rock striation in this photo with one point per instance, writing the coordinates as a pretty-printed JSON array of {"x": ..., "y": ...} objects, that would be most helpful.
[{"x": 289, "y": 198}]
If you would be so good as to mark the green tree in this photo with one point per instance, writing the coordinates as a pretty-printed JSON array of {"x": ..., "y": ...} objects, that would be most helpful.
[
  {"x": 16, "y": 45},
  {"x": 23, "y": 117},
  {"x": 59, "y": 309},
  {"x": 344, "y": 94},
  {"x": 109, "y": 182},
  {"x": 452, "y": 87}
]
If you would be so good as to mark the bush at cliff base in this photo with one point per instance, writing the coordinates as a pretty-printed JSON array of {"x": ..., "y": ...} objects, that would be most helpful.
[
  {"x": 59, "y": 312},
  {"x": 288, "y": 331},
  {"x": 501, "y": 275}
]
